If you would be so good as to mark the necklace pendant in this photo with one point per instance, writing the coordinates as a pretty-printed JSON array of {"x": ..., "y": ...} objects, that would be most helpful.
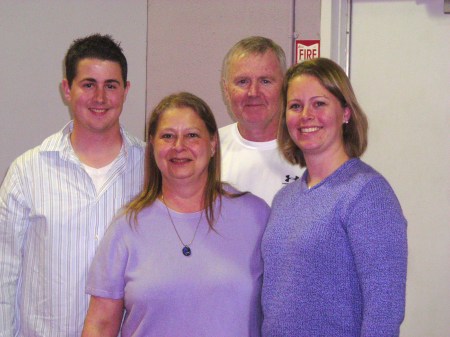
[{"x": 186, "y": 251}]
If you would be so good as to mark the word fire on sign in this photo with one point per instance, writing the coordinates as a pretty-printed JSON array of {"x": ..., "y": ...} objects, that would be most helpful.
[{"x": 307, "y": 49}]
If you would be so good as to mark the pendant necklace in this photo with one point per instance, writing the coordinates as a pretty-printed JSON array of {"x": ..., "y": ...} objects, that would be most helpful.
[{"x": 186, "y": 246}]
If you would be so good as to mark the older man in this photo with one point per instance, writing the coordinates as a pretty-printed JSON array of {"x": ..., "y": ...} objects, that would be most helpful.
[{"x": 252, "y": 77}]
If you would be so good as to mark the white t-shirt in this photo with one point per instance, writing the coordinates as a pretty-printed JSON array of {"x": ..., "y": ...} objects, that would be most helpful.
[
  {"x": 257, "y": 167},
  {"x": 98, "y": 175}
]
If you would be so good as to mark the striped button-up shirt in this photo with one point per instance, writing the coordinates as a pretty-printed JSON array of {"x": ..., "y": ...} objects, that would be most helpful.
[{"x": 51, "y": 221}]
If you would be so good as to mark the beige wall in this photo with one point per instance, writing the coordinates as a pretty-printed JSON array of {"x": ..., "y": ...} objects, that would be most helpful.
[
  {"x": 400, "y": 68},
  {"x": 187, "y": 41},
  {"x": 34, "y": 37}
]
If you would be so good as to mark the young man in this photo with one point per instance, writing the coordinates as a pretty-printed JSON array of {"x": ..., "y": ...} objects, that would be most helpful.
[
  {"x": 252, "y": 77},
  {"x": 58, "y": 199}
]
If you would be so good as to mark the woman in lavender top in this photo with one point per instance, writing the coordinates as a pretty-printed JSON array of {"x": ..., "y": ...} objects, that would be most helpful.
[
  {"x": 184, "y": 259},
  {"x": 335, "y": 248}
]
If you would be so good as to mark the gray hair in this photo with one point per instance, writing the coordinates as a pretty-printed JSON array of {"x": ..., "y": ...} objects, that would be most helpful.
[{"x": 253, "y": 45}]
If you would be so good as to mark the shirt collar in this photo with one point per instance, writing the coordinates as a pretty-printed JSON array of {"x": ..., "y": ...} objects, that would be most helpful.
[{"x": 61, "y": 142}]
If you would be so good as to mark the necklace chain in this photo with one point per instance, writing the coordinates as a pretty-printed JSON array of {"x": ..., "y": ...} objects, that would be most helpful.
[{"x": 186, "y": 246}]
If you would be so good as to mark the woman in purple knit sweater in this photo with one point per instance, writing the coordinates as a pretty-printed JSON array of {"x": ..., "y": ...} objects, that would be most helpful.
[{"x": 335, "y": 248}]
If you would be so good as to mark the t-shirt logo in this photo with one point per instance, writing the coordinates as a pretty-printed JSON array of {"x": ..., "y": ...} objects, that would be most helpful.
[{"x": 290, "y": 179}]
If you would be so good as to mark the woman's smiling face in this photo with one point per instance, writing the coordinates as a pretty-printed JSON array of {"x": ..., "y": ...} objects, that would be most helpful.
[
  {"x": 183, "y": 146},
  {"x": 314, "y": 117}
]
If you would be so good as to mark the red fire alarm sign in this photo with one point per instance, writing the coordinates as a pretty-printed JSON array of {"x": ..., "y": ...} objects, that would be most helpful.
[{"x": 306, "y": 49}]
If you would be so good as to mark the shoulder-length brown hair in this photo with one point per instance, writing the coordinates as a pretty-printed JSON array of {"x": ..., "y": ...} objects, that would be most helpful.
[
  {"x": 153, "y": 178},
  {"x": 333, "y": 78}
]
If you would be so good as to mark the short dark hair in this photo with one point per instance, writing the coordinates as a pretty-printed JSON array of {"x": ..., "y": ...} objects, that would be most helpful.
[
  {"x": 333, "y": 78},
  {"x": 95, "y": 46}
]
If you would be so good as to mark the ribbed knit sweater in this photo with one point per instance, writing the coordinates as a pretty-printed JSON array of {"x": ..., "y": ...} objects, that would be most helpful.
[{"x": 335, "y": 257}]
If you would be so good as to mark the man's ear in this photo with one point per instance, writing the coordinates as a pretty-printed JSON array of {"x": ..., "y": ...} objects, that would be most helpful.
[
  {"x": 225, "y": 90},
  {"x": 66, "y": 89},
  {"x": 127, "y": 88}
]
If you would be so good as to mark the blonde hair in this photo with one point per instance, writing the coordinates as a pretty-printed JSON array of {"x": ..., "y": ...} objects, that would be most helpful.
[{"x": 333, "y": 78}]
